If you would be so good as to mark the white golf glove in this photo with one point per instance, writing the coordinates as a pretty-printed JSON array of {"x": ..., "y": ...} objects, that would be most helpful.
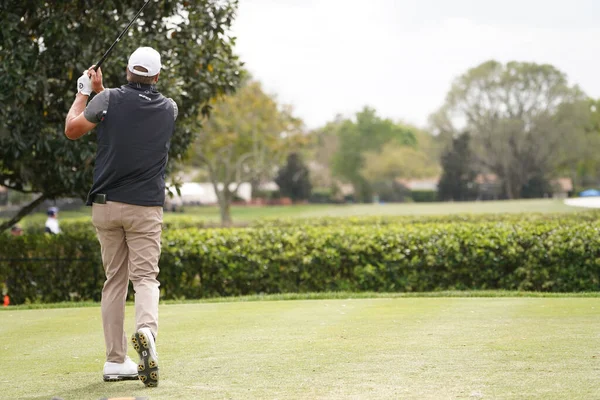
[{"x": 84, "y": 84}]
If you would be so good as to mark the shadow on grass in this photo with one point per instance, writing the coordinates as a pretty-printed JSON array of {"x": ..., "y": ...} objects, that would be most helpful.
[{"x": 96, "y": 387}]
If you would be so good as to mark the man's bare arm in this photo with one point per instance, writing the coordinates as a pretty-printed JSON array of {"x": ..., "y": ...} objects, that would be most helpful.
[{"x": 76, "y": 125}]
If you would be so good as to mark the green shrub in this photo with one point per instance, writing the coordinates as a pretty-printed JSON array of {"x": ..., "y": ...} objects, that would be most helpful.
[
  {"x": 51, "y": 268},
  {"x": 555, "y": 254},
  {"x": 424, "y": 196},
  {"x": 321, "y": 196},
  {"x": 567, "y": 218},
  {"x": 266, "y": 194}
]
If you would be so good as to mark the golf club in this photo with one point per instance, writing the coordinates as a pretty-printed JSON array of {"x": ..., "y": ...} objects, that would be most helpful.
[{"x": 120, "y": 36}]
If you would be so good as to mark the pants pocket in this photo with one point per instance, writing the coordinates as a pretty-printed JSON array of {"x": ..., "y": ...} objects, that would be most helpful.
[{"x": 100, "y": 215}]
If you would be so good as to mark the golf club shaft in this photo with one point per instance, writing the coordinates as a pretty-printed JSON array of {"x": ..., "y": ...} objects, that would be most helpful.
[{"x": 120, "y": 36}]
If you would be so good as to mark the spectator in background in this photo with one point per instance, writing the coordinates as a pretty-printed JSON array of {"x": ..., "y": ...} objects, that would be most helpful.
[
  {"x": 52, "y": 225},
  {"x": 16, "y": 230}
]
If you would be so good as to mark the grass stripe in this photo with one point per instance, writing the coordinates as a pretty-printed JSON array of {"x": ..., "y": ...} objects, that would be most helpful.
[{"x": 327, "y": 296}]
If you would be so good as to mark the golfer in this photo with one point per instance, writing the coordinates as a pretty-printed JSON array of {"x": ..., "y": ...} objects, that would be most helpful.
[{"x": 135, "y": 126}]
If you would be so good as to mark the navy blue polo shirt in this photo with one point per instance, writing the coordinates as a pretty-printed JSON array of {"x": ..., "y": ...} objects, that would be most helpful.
[{"x": 135, "y": 126}]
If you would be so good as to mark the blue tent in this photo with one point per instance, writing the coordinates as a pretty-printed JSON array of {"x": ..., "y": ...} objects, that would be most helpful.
[{"x": 589, "y": 193}]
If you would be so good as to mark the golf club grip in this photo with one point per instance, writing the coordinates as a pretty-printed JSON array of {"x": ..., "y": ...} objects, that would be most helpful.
[
  {"x": 99, "y": 63},
  {"x": 120, "y": 36}
]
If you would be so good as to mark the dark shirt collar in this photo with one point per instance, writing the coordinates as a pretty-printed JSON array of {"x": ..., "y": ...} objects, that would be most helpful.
[{"x": 141, "y": 86}]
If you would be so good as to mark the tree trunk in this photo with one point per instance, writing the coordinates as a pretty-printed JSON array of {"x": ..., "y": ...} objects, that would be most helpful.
[
  {"x": 514, "y": 187},
  {"x": 509, "y": 185},
  {"x": 513, "y": 184},
  {"x": 508, "y": 188},
  {"x": 225, "y": 208},
  {"x": 22, "y": 213}
]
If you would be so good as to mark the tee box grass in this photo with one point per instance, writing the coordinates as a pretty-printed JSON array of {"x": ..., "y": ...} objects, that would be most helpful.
[{"x": 361, "y": 348}]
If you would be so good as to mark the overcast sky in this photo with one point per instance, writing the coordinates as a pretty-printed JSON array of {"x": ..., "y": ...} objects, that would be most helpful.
[{"x": 400, "y": 56}]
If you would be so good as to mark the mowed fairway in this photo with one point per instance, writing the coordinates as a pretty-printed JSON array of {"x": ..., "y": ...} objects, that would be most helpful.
[
  {"x": 385, "y": 348},
  {"x": 246, "y": 214}
]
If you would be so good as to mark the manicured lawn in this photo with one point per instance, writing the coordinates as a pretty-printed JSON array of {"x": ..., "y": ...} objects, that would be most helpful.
[
  {"x": 482, "y": 207},
  {"x": 348, "y": 210},
  {"x": 378, "y": 348},
  {"x": 240, "y": 214}
]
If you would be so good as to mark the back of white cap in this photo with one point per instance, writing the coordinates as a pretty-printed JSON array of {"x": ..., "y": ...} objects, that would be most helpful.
[{"x": 147, "y": 58}]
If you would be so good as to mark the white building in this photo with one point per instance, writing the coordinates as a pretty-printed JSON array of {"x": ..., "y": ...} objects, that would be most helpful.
[{"x": 193, "y": 193}]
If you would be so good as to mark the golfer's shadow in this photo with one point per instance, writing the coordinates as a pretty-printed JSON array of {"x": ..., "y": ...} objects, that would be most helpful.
[{"x": 121, "y": 390}]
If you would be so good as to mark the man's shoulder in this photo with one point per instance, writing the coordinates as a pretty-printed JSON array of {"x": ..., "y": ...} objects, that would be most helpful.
[
  {"x": 119, "y": 89},
  {"x": 102, "y": 97},
  {"x": 97, "y": 106},
  {"x": 175, "y": 108},
  {"x": 174, "y": 104}
]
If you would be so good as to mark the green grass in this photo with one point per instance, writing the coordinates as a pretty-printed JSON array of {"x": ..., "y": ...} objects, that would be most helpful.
[
  {"x": 321, "y": 296},
  {"x": 240, "y": 214},
  {"x": 378, "y": 348},
  {"x": 315, "y": 210}
]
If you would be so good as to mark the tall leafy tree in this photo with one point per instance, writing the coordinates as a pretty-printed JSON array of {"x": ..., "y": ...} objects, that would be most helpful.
[
  {"x": 459, "y": 172},
  {"x": 585, "y": 170},
  {"x": 247, "y": 135},
  {"x": 367, "y": 132},
  {"x": 524, "y": 119},
  {"x": 322, "y": 146},
  {"x": 382, "y": 169},
  {"x": 293, "y": 178},
  {"x": 397, "y": 162},
  {"x": 44, "y": 47}
]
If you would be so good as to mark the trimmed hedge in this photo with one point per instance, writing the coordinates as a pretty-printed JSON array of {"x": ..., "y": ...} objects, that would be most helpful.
[
  {"x": 182, "y": 221},
  {"x": 566, "y": 218},
  {"x": 544, "y": 255},
  {"x": 424, "y": 196},
  {"x": 51, "y": 268}
]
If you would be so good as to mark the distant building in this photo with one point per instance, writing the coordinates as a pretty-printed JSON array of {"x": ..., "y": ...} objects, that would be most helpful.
[
  {"x": 489, "y": 186},
  {"x": 193, "y": 193},
  {"x": 424, "y": 184},
  {"x": 563, "y": 187}
]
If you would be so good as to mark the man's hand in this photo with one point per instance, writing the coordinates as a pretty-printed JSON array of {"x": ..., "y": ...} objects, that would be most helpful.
[
  {"x": 84, "y": 84},
  {"x": 76, "y": 125},
  {"x": 96, "y": 78}
]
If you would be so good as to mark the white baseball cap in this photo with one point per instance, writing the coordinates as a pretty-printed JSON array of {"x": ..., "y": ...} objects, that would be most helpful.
[{"x": 147, "y": 58}]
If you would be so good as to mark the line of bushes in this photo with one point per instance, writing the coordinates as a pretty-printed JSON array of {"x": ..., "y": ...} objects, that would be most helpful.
[
  {"x": 550, "y": 256},
  {"x": 51, "y": 268},
  {"x": 173, "y": 222},
  {"x": 566, "y": 218}
]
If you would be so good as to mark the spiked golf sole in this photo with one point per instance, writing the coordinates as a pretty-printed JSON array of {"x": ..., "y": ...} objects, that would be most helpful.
[{"x": 148, "y": 365}]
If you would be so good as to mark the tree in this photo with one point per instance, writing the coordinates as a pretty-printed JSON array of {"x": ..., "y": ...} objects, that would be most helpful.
[
  {"x": 43, "y": 50},
  {"x": 458, "y": 177},
  {"x": 368, "y": 133},
  {"x": 294, "y": 179},
  {"x": 397, "y": 162},
  {"x": 323, "y": 145},
  {"x": 246, "y": 137},
  {"x": 585, "y": 171},
  {"x": 523, "y": 118},
  {"x": 383, "y": 169}
]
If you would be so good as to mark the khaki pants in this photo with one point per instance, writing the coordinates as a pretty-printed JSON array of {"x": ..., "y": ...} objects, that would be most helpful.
[{"x": 129, "y": 236}]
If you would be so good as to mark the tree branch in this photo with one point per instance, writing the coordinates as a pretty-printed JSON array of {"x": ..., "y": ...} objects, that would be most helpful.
[
  {"x": 240, "y": 163},
  {"x": 227, "y": 173},
  {"x": 22, "y": 213},
  {"x": 17, "y": 189},
  {"x": 211, "y": 173}
]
